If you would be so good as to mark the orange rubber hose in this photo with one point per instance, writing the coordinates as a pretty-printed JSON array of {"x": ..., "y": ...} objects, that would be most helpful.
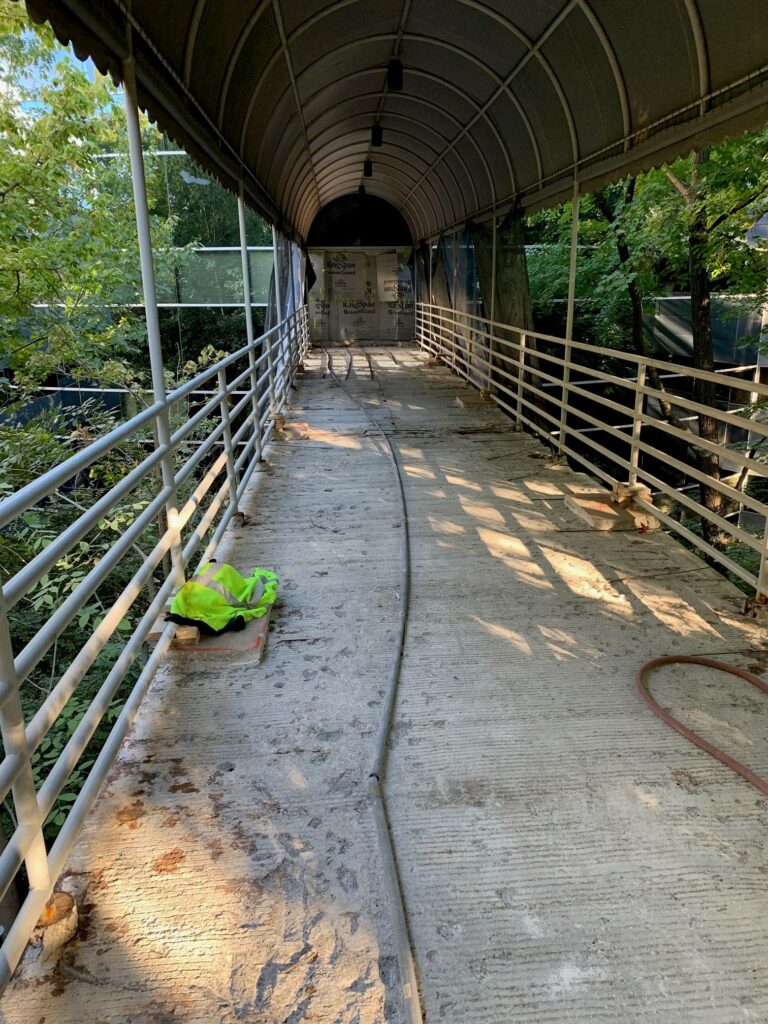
[{"x": 642, "y": 688}]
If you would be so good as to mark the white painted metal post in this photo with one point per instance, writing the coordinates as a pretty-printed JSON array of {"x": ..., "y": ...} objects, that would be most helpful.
[
  {"x": 492, "y": 310},
  {"x": 227, "y": 437},
  {"x": 28, "y": 817},
  {"x": 520, "y": 380},
  {"x": 162, "y": 421},
  {"x": 637, "y": 423},
  {"x": 453, "y": 321},
  {"x": 569, "y": 315},
  {"x": 572, "y": 262},
  {"x": 280, "y": 383},
  {"x": 291, "y": 312},
  {"x": 249, "y": 331}
]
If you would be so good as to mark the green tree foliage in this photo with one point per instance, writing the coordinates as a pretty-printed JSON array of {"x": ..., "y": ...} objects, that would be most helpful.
[
  {"x": 66, "y": 217},
  {"x": 683, "y": 227},
  {"x": 652, "y": 218}
]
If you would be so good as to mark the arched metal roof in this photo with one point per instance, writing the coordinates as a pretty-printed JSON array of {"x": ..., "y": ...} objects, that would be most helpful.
[{"x": 501, "y": 97}]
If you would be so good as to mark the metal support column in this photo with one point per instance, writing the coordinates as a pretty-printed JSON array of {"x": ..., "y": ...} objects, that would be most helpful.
[
  {"x": 249, "y": 331},
  {"x": 637, "y": 424},
  {"x": 492, "y": 310},
  {"x": 569, "y": 316},
  {"x": 293, "y": 342},
  {"x": 278, "y": 320},
  {"x": 12, "y": 726},
  {"x": 162, "y": 421},
  {"x": 454, "y": 321},
  {"x": 227, "y": 437}
]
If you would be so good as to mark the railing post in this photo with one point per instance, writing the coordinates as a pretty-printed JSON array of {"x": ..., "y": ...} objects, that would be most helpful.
[
  {"x": 762, "y": 577},
  {"x": 637, "y": 423},
  {"x": 492, "y": 311},
  {"x": 564, "y": 396},
  {"x": 520, "y": 380},
  {"x": 292, "y": 327},
  {"x": 249, "y": 331},
  {"x": 162, "y": 420},
  {"x": 227, "y": 434},
  {"x": 12, "y": 727},
  {"x": 279, "y": 382},
  {"x": 569, "y": 317}
]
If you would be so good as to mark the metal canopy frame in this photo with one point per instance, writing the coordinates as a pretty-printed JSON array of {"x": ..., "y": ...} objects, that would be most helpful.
[{"x": 538, "y": 95}]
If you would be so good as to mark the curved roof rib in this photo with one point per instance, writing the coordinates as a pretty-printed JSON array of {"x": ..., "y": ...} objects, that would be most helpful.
[{"x": 501, "y": 98}]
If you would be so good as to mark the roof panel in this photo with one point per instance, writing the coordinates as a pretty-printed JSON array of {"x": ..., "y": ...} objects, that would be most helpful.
[
  {"x": 750, "y": 51},
  {"x": 504, "y": 96},
  {"x": 593, "y": 93},
  {"x": 656, "y": 51}
]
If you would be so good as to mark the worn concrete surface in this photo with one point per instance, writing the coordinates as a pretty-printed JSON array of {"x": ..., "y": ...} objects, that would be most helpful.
[{"x": 565, "y": 856}]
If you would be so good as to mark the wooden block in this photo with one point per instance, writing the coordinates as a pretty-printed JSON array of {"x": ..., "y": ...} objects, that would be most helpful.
[
  {"x": 470, "y": 401},
  {"x": 186, "y": 636},
  {"x": 644, "y": 520},
  {"x": 295, "y": 430},
  {"x": 486, "y": 394},
  {"x": 625, "y": 494},
  {"x": 599, "y": 512},
  {"x": 250, "y": 640}
]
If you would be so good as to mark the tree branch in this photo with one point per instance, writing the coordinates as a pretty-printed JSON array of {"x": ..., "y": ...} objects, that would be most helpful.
[
  {"x": 738, "y": 206},
  {"x": 684, "y": 190}
]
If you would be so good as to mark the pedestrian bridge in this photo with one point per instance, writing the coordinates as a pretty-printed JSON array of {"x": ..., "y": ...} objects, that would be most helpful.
[
  {"x": 438, "y": 796},
  {"x": 563, "y": 855}
]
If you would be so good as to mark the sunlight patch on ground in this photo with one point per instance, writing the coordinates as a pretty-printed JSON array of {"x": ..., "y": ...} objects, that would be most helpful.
[
  {"x": 333, "y": 438},
  {"x": 514, "y": 554},
  {"x": 487, "y": 513},
  {"x": 444, "y": 525},
  {"x": 419, "y": 471},
  {"x": 517, "y": 640},
  {"x": 458, "y": 481},
  {"x": 670, "y": 609},
  {"x": 585, "y": 580}
]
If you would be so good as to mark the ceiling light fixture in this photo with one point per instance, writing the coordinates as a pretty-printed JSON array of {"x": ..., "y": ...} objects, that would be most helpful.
[
  {"x": 377, "y": 135},
  {"x": 395, "y": 75},
  {"x": 368, "y": 169}
]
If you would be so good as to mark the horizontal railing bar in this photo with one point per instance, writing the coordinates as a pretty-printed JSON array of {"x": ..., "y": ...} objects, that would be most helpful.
[
  {"x": 688, "y": 470},
  {"x": 60, "y": 619},
  {"x": 56, "y": 700},
  {"x": 726, "y": 416},
  {"x": 33, "y": 492},
  {"x": 629, "y": 357},
  {"x": 23, "y": 581}
]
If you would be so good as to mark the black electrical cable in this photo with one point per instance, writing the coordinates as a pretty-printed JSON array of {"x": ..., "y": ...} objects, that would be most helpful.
[{"x": 403, "y": 943}]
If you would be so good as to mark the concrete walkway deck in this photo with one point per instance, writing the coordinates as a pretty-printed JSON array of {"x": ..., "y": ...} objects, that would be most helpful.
[{"x": 565, "y": 856}]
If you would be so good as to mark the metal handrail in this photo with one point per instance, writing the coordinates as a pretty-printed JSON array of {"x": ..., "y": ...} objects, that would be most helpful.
[
  {"x": 536, "y": 387},
  {"x": 220, "y": 467}
]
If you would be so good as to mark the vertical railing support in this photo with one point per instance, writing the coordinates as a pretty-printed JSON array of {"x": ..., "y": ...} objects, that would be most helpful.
[
  {"x": 492, "y": 311},
  {"x": 637, "y": 423},
  {"x": 162, "y": 420},
  {"x": 569, "y": 316},
  {"x": 12, "y": 728},
  {"x": 453, "y": 331},
  {"x": 227, "y": 436},
  {"x": 279, "y": 383},
  {"x": 520, "y": 381},
  {"x": 249, "y": 331},
  {"x": 293, "y": 343}
]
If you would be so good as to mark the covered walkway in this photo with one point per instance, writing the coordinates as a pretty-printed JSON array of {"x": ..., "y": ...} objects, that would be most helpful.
[{"x": 563, "y": 855}]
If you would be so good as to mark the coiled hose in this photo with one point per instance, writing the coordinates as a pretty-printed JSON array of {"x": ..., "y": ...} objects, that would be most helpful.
[{"x": 642, "y": 688}]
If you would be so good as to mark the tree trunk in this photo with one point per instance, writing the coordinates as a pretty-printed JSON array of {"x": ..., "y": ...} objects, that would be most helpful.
[
  {"x": 703, "y": 359},
  {"x": 636, "y": 302}
]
